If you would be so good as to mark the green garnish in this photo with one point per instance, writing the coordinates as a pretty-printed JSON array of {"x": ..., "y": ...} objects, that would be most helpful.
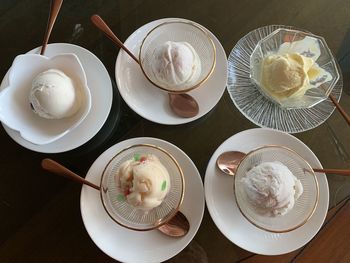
[
  {"x": 137, "y": 157},
  {"x": 163, "y": 185}
]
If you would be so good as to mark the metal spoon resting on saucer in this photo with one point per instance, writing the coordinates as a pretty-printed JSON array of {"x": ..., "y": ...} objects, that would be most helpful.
[
  {"x": 182, "y": 105},
  {"x": 228, "y": 162},
  {"x": 178, "y": 226}
]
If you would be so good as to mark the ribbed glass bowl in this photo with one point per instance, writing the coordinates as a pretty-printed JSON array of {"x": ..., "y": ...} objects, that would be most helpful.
[
  {"x": 178, "y": 31},
  {"x": 314, "y": 47},
  {"x": 304, "y": 206},
  {"x": 255, "y": 106},
  {"x": 129, "y": 216}
]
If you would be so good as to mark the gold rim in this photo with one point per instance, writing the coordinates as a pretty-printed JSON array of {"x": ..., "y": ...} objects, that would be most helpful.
[
  {"x": 173, "y": 211},
  {"x": 199, "y": 83},
  {"x": 309, "y": 171}
]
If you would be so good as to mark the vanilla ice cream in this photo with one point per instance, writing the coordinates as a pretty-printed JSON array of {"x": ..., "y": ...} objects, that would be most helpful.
[
  {"x": 287, "y": 75},
  {"x": 53, "y": 95},
  {"x": 272, "y": 188},
  {"x": 144, "y": 181},
  {"x": 176, "y": 65},
  {"x": 292, "y": 70}
]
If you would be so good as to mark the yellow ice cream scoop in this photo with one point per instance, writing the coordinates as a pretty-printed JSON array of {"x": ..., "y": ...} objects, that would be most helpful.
[{"x": 287, "y": 75}]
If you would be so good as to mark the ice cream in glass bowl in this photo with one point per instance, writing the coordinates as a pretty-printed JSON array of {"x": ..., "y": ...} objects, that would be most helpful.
[
  {"x": 293, "y": 68},
  {"x": 276, "y": 189},
  {"x": 46, "y": 97},
  {"x": 142, "y": 187},
  {"x": 177, "y": 56}
]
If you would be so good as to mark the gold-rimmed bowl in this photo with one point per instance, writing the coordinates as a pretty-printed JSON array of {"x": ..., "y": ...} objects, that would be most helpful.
[
  {"x": 132, "y": 217},
  {"x": 178, "y": 31},
  {"x": 304, "y": 206}
]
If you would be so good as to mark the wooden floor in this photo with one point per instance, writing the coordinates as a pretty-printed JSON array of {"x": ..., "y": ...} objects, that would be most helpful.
[{"x": 332, "y": 244}]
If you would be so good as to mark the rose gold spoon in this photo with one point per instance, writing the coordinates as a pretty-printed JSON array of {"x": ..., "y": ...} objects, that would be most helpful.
[
  {"x": 228, "y": 162},
  {"x": 340, "y": 109},
  {"x": 178, "y": 226},
  {"x": 181, "y": 104},
  {"x": 54, "y": 9}
]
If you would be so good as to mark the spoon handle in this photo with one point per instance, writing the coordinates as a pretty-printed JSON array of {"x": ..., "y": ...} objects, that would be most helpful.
[
  {"x": 340, "y": 109},
  {"x": 100, "y": 24},
  {"x": 332, "y": 171},
  {"x": 55, "y": 167},
  {"x": 55, "y": 8}
]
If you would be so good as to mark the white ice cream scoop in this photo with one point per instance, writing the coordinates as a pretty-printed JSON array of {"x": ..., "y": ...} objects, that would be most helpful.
[
  {"x": 175, "y": 65},
  {"x": 145, "y": 181},
  {"x": 53, "y": 95},
  {"x": 272, "y": 188}
]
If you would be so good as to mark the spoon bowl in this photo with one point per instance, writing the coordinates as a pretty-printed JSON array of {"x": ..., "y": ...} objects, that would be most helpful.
[
  {"x": 177, "y": 226},
  {"x": 183, "y": 105},
  {"x": 227, "y": 162}
]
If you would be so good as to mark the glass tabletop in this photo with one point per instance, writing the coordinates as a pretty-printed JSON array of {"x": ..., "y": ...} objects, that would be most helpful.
[{"x": 40, "y": 212}]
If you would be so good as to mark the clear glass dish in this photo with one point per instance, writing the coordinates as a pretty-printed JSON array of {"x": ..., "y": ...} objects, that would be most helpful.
[
  {"x": 133, "y": 217},
  {"x": 314, "y": 48},
  {"x": 256, "y": 107},
  {"x": 304, "y": 206}
]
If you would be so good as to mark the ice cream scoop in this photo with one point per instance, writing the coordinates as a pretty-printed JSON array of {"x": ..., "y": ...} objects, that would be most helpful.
[
  {"x": 272, "y": 188},
  {"x": 176, "y": 65},
  {"x": 53, "y": 95},
  {"x": 287, "y": 75},
  {"x": 144, "y": 181}
]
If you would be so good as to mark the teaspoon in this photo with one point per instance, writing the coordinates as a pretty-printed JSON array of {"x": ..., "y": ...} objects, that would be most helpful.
[
  {"x": 182, "y": 105},
  {"x": 178, "y": 226},
  {"x": 228, "y": 162},
  {"x": 54, "y": 9}
]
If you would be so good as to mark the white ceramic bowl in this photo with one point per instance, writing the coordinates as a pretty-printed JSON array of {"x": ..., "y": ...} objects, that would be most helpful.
[{"x": 15, "y": 109}]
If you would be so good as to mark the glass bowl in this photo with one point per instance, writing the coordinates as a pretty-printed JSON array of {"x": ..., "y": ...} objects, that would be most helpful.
[
  {"x": 178, "y": 31},
  {"x": 320, "y": 78},
  {"x": 304, "y": 206},
  {"x": 133, "y": 217}
]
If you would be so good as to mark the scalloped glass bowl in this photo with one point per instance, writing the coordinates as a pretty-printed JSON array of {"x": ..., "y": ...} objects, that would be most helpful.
[
  {"x": 15, "y": 110},
  {"x": 128, "y": 215},
  {"x": 321, "y": 55},
  {"x": 304, "y": 206},
  {"x": 178, "y": 31}
]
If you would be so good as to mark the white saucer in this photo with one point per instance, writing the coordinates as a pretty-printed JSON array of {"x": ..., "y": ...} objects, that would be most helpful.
[
  {"x": 225, "y": 213},
  {"x": 150, "y": 102},
  {"x": 132, "y": 246},
  {"x": 100, "y": 86}
]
